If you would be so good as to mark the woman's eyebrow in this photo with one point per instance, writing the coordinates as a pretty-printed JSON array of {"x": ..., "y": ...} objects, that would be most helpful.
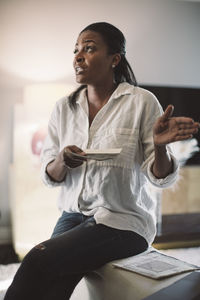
[{"x": 87, "y": 41}]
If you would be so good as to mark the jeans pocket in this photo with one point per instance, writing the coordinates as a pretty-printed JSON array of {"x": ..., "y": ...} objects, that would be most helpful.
[{"x": 66, "y": 222}]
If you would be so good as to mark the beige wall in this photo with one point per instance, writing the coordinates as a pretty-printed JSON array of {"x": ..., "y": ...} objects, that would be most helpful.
[
  {"x": 7, "y": 99},
  {"x": 37, "y": 37}
]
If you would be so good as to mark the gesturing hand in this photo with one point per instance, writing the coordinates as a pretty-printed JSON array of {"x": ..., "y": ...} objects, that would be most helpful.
[{"x": 169, "y": 129}]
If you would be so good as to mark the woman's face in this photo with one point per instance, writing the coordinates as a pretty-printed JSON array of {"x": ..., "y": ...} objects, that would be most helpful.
[{"x": 92, "y": 63}]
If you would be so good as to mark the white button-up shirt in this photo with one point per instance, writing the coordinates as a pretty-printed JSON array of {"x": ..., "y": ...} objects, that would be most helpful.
[{"x": 115, "y": 191}]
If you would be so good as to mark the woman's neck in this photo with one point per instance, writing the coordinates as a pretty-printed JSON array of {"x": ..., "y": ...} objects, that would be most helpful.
[
  {"x": 99, "y": 95},
  {"x": 97, "y": 98}
]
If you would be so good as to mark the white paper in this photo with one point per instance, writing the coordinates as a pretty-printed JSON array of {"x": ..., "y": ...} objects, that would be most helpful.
[
  {"x": 100, "y": 154},
  {"x": 155, "y": 265}
]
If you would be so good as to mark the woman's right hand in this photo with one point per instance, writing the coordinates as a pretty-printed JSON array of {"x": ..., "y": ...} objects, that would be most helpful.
[
  {"x": 69, "y": 156},
  {"x": 57, "y": 169}
]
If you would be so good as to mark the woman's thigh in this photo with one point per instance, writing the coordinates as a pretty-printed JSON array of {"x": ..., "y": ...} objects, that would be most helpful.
[
  {"x": 85, "y": 248},
  {"x": 56, "y": 265}
]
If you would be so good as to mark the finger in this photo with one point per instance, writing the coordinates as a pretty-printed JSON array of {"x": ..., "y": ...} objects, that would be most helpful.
[
  {"x": 75, "y": 149},
  {"x": 185, "y": 126},
  {"x": 77, "y": 152},
  {"x": 196, "y": 125},
  {"x": 72, "y": 157},
  {"x": 183, "y": 137},
  {"x": 72, "y": 161},
  {"x": 185, "y": 120},
  {"x": 79, "y": 157},
  {"x": 168, "y": 112},
  {"x": 187, "y": 131},
  {"x": 76, "y": 164},
  {"x": 71, "y": 150}
]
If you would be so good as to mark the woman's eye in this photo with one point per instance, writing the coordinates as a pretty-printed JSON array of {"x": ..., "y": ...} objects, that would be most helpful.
[{"x": 89, "y": 48}]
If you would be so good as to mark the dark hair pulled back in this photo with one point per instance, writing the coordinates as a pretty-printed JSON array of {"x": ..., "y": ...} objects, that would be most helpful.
[{"x": 116, "y": 43}]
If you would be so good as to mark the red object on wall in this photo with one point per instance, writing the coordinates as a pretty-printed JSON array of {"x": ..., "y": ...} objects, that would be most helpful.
[{"x": 37, "y": 141}]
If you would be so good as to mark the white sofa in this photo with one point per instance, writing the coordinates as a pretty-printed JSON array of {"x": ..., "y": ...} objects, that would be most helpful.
[{"x": 109, "y": 283}]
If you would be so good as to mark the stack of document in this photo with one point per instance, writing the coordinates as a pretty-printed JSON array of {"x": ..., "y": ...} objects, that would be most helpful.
[
  {"x": 155, "y": 264},
  {"x": 100, "y": 154}
]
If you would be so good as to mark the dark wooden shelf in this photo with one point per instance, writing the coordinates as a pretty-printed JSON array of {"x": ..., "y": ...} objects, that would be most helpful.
[{"x": 179, "y": 229}]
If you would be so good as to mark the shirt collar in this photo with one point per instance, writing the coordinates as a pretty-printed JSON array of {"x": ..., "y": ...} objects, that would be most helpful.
[
  {"x": 82, "y": 100},
  {"x": 123, "y": 88}
]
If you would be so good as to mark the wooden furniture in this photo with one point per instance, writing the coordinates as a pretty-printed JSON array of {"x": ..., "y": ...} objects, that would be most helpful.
[{"x": 179, "y": 230}]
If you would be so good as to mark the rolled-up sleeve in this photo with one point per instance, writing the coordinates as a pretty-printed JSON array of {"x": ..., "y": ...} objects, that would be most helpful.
[
  {"x": 153, "y": 110},
  {"x": 168, "y": 180},
  {"x": 50, "y": 148}
]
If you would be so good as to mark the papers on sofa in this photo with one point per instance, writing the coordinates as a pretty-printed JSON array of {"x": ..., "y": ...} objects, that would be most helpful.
[
  {"x": 155, "y": 265},
  {"x": 100, "y": 154}
]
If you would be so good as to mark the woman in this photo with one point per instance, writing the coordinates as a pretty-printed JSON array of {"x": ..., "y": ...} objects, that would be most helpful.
[{"x": 107, "y": 211}]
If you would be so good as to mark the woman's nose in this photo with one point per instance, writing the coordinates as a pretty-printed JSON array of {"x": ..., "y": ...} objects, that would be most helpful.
[{"x": 79, "y": 59}]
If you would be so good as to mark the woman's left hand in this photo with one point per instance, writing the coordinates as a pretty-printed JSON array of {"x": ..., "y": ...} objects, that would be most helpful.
[{"x": 169, "y": 129}]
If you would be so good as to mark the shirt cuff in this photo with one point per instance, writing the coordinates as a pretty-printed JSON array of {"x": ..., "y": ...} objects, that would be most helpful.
[
  {"x": 45, "y": 177},
  {"x": 169, "y": 179}
]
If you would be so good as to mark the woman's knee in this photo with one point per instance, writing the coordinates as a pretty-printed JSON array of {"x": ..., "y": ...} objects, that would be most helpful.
[{"x": 34, "y": 259}]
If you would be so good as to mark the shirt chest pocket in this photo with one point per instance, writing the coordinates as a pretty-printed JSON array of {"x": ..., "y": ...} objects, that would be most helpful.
[{"x": 124, "y": 138}]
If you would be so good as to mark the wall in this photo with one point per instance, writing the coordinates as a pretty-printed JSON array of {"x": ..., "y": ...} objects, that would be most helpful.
[
  {"x": 8, "y": 98},
  {"x": 38, "y": 37}
]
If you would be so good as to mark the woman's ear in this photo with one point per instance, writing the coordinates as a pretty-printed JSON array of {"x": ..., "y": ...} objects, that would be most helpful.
[{"x": 116, "y": 60}]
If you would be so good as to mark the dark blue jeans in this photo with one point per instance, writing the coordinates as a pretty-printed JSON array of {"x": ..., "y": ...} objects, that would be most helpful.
[{"x": 52, "y": 269}]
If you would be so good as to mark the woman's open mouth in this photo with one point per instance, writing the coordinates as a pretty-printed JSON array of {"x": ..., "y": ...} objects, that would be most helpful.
[{"x": 79, "y": 70}]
